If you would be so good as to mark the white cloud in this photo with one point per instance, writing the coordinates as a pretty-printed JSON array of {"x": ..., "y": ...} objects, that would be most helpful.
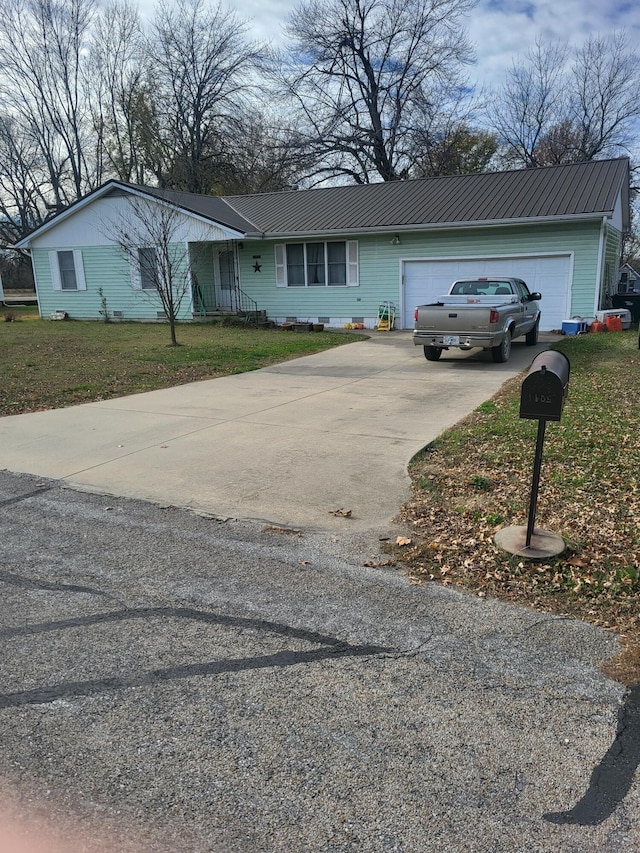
[{"x": 502, "y": 30}]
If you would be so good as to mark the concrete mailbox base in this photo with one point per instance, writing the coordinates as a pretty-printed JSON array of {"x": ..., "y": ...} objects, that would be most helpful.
[{"x": 542, "y": 546}]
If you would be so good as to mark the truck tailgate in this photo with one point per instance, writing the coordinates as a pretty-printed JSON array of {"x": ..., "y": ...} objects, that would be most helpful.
[{"x": 454, "y": 318}]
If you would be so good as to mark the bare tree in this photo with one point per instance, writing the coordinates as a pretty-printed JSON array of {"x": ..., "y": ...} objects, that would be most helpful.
[
  {"x": 203, "y": 68},
  {"x": 530, "y": 104},
  {"x": 147, "y": 233},
  {"x": 362, "y": 73},
  {"x": 22, "y": 182},
  {"x": 42, "y": 55},
  {"x": 606, "y": 74},
  {"x": 561, "y": 108},
  {"x": 560, "y": 144},
  {"x": 120, "y": 91},
  {"x": 259, "y": 156}
]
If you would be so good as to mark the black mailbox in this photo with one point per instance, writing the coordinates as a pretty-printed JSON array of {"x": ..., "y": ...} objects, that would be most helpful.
[{"x": 545, "y": 387}]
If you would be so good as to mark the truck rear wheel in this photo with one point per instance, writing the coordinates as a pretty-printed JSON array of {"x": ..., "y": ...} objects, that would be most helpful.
[
  {"x": 432, "y": 353},
  {"x": 502, "y": 352}
]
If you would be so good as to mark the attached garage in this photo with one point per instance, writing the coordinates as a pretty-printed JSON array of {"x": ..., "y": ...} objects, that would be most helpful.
[{"x": 551, "y": 275}]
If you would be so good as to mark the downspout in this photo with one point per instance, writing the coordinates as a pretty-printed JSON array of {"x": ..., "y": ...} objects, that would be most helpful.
[{"x": 601, "y": 250}]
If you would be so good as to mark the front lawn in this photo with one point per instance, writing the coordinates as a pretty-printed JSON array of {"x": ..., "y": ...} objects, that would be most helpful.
[
  {"x": 476, "y": 479},
  {"x": 47, "y": 364}
]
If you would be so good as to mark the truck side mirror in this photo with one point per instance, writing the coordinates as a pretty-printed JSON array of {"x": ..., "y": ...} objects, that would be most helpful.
[{"x": 535, "y": 296}]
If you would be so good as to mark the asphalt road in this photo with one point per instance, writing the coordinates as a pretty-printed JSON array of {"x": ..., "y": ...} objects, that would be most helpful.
[{"x": 171, "y": 682}]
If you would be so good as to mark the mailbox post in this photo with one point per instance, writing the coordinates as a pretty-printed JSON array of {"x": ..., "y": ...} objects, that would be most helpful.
[{"x": 542, "y": 398}]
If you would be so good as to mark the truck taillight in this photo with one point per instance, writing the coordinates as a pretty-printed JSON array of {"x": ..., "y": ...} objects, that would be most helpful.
[
  {"x": 494, "y": 317},
  {"x": 415, "y": 315}
]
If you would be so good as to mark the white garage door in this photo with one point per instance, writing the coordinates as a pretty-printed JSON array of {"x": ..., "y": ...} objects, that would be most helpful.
[{"x": 426, "y": 280}]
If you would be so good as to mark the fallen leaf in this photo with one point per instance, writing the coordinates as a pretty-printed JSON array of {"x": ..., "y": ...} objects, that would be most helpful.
[
  {"x": 576, "y": 561},
  {"x": 343, "y": 513},
  {"x": 403, "y": 540}
]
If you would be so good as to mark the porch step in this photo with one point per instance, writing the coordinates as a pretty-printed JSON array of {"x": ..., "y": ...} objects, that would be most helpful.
[{"x": 255, "y": 316}]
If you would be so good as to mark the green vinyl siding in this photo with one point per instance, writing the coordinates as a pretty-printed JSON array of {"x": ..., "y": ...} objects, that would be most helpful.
[
  {"x": 612, "y": 253},
  {"x": 380, "y": 267},
  {"x": 105, "y": 267}
]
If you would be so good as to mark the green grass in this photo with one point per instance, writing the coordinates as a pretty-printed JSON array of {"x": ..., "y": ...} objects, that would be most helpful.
[
  {"x": 476, "y": 479},
  {"x": 49, "y": 364},
  {"x": 18, "y": 312}
]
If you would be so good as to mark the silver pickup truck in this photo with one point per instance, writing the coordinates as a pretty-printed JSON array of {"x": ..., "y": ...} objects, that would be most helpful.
[{"x": 482, "y": 312}]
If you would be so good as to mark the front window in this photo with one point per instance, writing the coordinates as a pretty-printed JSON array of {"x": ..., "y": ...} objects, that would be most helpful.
[
  {"x": 330, "y": 263},
  {"x": 147, "y": 262},
  {"x": 316, "y": 264},
  {"x": 66, "y": 264},
  {"x": 337, "y": 263},
  {"x": 295, "y": 265}
]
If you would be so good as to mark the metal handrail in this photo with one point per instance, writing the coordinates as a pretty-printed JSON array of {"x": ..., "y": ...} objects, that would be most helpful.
[{"x": 246, "y": 305}]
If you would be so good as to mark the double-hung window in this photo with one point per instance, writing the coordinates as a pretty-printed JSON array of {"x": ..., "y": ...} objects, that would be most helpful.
[
  {"x": 147, "y": 260},
  {"x": 67, "y": 270},
  {"x": 144, "y": 269},
  {"x": 331, "y": 263}
]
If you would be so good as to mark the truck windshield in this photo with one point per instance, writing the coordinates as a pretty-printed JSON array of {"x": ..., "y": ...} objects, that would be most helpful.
[{"x": 482, "y": 288}]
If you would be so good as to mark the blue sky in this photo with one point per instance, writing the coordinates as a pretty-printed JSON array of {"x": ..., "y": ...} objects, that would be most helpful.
[{"x": 500, "y": 29}]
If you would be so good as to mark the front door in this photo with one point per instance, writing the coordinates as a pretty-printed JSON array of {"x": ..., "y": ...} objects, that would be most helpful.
[{"x": 225, "y": 284}]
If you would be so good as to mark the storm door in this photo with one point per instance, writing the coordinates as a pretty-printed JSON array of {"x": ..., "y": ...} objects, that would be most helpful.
[{"x": 225, "y": 284}]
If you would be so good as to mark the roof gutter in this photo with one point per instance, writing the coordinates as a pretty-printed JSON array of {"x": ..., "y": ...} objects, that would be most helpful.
[{"x": 431, "y": 226}]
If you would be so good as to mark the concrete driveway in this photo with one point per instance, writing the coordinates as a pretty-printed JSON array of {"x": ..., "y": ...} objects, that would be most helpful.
[{"x": 287, "y": 445}]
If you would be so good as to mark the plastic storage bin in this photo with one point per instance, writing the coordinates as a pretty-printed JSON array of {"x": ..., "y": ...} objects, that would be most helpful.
[{"x": 623, "y": 313}]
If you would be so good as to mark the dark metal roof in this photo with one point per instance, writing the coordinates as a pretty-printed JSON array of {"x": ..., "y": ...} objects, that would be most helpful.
[
  {"x": 211, "y": 207},
  {"x": 577, "y": 190},
  {"x": 551, "y": 193}
]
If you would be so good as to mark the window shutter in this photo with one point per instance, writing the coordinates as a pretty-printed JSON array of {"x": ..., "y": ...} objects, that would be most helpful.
[
  {"x": 56, "y": 281},
  {"x": 81, "y": 282},
  {"x": 134, "y": 270},
  {"x": 352, "y": 263},
  {"x": 281, "y": 271}
]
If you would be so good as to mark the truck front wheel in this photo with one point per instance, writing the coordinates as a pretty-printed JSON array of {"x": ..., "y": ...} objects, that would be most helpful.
[
  {"x": 532, "y": 337},
  {"x": 432, "y": 353},
  {"x": 502, "y": 352}
]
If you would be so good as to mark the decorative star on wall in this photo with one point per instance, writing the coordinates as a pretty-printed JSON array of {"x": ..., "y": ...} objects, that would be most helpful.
[{"x": 257, "y": 267}]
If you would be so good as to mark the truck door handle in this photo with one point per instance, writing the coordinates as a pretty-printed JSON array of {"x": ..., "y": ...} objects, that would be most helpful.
[{"x": 453, "y": 315}]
